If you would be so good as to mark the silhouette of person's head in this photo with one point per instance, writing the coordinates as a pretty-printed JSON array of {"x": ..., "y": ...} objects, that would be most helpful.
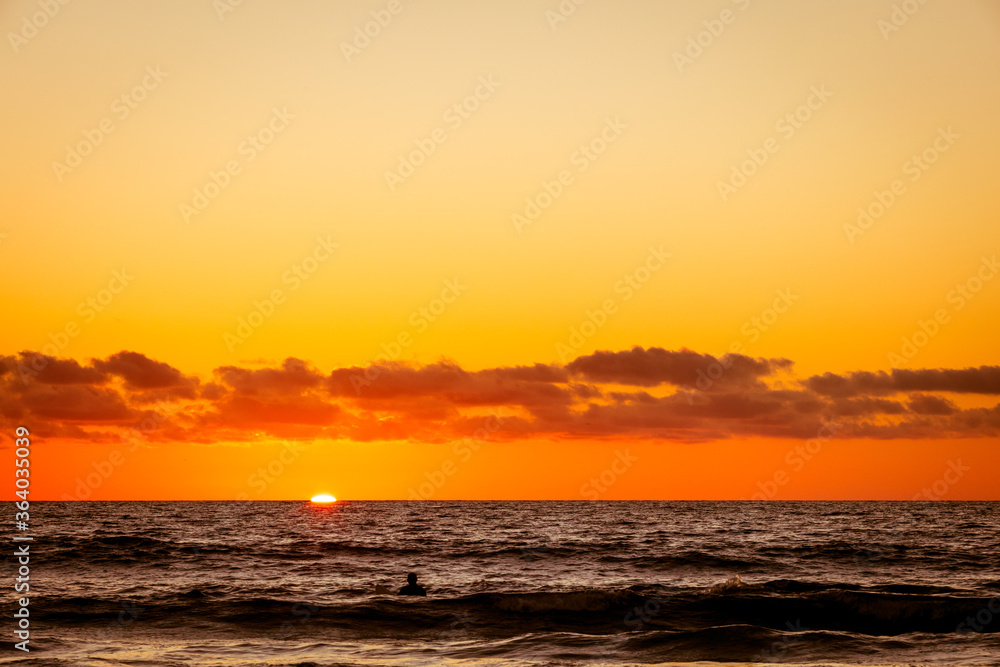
[{"x": 412, "y": 588}]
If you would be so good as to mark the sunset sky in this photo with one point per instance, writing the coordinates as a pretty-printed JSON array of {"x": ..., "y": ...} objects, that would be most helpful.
[{"x": 702, "y": 250}]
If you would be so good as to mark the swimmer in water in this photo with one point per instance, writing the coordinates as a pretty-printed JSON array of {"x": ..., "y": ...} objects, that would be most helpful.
[{"x": 411, "y": 587}]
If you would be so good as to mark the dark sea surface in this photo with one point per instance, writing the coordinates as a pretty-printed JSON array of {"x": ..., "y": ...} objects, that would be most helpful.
[{"x": 512, "y": 583}]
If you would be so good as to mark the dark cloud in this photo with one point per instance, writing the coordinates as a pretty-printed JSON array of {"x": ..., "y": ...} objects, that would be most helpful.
[
  {"x": 858, "y": 407},
  {"x": 853, "y": 384},
  {"x": 530, "y": 387},
  {"x": 141, "y": 372},
  {"x": 294, "y": 377},
  {"x": 655, "y": 366},
  {"x": 923, "y": 404},
  {"x": 677, "y": 395},
  {"x": 75, "y": 403},
  {"x": 41, "y": 368},
  {"x": 982, "y": 380}
]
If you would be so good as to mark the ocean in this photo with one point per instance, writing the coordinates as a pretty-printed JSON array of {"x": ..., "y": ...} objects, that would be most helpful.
[{"x": 512, "y": 583}]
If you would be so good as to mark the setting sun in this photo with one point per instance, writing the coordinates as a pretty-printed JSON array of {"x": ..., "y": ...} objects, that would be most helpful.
[{"x": 323, "y": 498}]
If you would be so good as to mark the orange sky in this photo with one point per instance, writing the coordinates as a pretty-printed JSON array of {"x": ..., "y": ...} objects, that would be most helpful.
[{"x": 484, "y": 195}]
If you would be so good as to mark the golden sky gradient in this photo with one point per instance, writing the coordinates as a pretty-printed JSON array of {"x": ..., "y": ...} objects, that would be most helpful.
[{"x": 236, "y": 162}]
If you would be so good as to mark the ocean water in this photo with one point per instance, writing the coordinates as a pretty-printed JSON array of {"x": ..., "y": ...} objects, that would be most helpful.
[{"x": 513, "y": 583}]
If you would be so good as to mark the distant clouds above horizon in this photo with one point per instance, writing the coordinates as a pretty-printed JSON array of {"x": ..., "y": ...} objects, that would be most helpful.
[{"x": 642, "y": 393}]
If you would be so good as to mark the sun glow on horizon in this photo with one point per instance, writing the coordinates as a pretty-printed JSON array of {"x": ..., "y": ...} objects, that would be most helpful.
[{"x": 323, "y": 498}]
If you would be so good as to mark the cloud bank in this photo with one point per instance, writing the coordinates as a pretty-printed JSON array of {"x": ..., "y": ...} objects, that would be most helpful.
[{"x": 642, "y": 393}]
